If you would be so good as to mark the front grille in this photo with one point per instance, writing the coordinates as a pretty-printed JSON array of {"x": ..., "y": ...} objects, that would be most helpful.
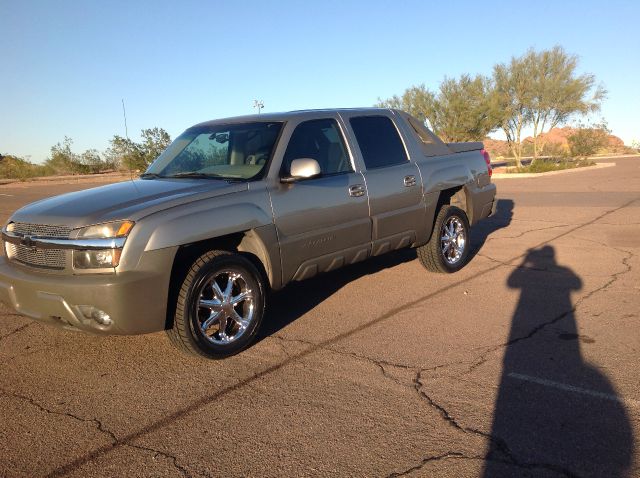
[
  {"x": 42, "y": 230},
  {"x": 43, "y": 258}
]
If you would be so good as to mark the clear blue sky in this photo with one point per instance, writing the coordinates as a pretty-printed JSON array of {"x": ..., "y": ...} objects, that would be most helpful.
[{"x": 66, "y": 64}]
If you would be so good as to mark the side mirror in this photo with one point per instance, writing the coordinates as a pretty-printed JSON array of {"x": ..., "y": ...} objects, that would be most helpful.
[{"x": 303, "y": 168}]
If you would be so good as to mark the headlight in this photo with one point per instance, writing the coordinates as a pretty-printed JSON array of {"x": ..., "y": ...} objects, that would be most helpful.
[
  {"x": 102, "y": 258},
  {"x": 106, "y": 231},
  {"x": 10, "y": 227}
]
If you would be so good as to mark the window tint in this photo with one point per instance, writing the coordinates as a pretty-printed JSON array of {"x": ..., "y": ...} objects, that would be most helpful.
[
  {"x": 319, "y": 140},
  {"x": 238, "y": 151},
  {"x": 379, "y": 141}
]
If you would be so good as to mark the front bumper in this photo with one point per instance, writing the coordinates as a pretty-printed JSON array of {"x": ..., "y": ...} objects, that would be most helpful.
[{"x": 135, "y": 301}]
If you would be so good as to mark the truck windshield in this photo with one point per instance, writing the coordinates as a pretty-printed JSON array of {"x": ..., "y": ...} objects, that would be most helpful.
[{"x": 230, "y": 152}]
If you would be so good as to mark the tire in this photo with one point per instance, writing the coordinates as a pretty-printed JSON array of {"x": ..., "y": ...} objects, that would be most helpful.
[
  {"x": 220, "y": 306},
  {"x": 448, "y": 248}
]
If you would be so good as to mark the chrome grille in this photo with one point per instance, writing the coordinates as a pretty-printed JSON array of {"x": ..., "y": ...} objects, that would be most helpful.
[
  {"x": 43, "y": 230},
  {"x": 44, "y": 258}
]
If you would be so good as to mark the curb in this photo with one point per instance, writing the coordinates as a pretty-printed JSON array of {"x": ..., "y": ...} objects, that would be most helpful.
[{"x": 550, "y": 173}]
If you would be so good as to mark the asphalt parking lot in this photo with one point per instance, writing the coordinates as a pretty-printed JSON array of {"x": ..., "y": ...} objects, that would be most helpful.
[{"x": 525, "y": 363}]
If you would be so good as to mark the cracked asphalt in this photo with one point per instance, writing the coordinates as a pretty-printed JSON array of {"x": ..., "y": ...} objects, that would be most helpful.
[{"x": 525, "y": 363}]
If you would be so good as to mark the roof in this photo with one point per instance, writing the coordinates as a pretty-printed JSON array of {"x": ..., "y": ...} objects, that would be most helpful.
[{"x": 287, "y": 115}]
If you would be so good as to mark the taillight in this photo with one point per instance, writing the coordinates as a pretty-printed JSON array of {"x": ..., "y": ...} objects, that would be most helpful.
[{"x": 487, "y": 160}]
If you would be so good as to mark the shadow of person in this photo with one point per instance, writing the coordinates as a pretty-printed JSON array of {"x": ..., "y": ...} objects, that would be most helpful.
[{"x": 555, "y": 414}]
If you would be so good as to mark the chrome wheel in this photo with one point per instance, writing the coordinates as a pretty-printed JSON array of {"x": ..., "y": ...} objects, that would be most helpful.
[
  {"x": 225, "y": 306},
  {"x": 453, "y": 240}
]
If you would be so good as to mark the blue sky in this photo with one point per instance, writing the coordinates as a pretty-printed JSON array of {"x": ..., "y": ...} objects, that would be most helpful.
[{"x": 66, "y": 65}]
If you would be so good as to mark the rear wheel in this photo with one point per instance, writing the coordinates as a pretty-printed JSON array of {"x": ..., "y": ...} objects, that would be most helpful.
[
  {"x": 448, "y": 249},
  {"x": 219, "y": 307}
]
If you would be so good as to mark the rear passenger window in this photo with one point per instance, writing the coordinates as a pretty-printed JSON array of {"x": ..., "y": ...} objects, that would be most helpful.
[
  {"x": 320, "y": 140},
  {"x": 379, "y": 141}
]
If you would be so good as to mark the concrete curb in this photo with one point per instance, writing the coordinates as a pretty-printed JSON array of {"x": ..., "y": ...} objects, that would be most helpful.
[{"x": 550, "y": 173}]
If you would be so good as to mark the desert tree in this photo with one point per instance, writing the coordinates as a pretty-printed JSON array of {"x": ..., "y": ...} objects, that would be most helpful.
[
  {"x": 558, "y": 92},
  {"x": 461, "y": 110}
]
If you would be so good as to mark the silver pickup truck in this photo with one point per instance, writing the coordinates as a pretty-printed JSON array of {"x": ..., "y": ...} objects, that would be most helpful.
[{"x": 236, "y": 208}]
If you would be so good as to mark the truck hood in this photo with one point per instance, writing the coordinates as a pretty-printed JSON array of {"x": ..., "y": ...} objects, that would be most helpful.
[{"x": 126, "y": 200}]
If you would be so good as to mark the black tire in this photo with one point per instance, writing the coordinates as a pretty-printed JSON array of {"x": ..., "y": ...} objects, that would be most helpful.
[
  {"x": 431, "y": 254},
  {"x": 231, "y": 273}
]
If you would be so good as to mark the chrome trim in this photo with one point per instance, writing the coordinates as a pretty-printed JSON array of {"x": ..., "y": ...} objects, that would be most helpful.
[{"x": 42, "y": 242}]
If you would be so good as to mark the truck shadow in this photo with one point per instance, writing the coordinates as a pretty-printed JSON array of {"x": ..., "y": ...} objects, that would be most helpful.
[
  {"x": 501, "y": 218},
  {"x": 555, "y": 413},
  {"x": 298, "y": 298}
]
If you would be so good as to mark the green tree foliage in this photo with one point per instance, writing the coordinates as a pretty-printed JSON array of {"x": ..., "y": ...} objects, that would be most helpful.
[
  {"x": 587, "y": 141},
  {"x": 12, "y": 167},
  {"x": 558, "y": 92},
  {"x": 465, "y": 110},
  {"x": 512, "y": 95},
  {"x": 64, "y": 161},
  {"x": 138, "y": 156},
  {"x": 462, "y": 110},
  {"x": 542, "y": 90},
  {"x": 418, "y": 101}
]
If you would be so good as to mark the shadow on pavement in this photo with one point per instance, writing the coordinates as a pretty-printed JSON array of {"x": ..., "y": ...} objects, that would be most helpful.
[
  {"x": 554, "y": 413},
  {"x": 482, "y": 230},
  {"x": 299, "y": 298}
]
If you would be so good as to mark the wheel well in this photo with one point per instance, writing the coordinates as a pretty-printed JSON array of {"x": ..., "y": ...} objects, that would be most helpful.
[
  {"x": 456, "y": 196},
  {"x": 188, "y": 253}
]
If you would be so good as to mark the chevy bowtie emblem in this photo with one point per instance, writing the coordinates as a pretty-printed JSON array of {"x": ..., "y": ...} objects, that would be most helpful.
[{"x": 28, "y": 242}]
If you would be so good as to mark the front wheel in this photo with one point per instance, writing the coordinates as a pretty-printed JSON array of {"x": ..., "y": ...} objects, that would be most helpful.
[
  {"x": 448, "y": 249},
  {"x": 219, "y": 307}
]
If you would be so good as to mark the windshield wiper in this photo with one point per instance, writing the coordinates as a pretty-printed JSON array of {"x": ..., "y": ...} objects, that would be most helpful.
[
  {"x": 197, "y": 175},
  {"x": 150, "y": 176}
]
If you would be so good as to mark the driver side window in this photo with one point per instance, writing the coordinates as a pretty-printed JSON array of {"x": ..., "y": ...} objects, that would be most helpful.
[{"x": 320, "y": 140}]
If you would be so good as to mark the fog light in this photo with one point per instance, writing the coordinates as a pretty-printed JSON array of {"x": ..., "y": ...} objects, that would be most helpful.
[{"x": 100, "y": 316}]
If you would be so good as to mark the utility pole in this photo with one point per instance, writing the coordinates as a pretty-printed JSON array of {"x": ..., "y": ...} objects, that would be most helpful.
[{"x": 258, "y": 104}]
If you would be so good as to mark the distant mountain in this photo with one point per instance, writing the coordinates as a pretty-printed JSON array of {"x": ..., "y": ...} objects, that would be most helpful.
[{"x": 554, "y": 142}]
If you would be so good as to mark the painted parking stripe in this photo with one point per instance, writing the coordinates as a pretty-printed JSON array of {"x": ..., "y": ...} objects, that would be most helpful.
[
  {"x": 10, "y": 195},
  {"x": 571, "y": 388}
]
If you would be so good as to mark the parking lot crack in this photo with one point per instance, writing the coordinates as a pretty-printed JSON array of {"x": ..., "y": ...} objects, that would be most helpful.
[
  {"x": 502, "y": 452},
  {"x": 172, "y": 458},
  {"x": 98, "y": 424},
  {"x": 425, "y": 461},
  {"x": 482, "y": 359},
  {"x": 517, "y": 236},
  {"x": 15, "y": 331}
]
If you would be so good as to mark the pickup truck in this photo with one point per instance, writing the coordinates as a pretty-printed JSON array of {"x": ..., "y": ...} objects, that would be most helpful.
[{"x": 236, "y": 208}]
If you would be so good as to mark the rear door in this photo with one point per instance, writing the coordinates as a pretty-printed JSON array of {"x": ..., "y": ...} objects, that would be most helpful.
[{"x": 393, "y": 182}]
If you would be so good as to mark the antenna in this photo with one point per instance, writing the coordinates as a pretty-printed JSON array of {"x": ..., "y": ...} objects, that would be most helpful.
[
  {"x": 124, "y": 113},
  {"x": 258, "y": 104},
  {"x": 126, "y": 133}
]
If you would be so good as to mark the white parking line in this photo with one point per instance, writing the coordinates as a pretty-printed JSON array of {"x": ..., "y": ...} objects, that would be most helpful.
[
  {"x": 11, "y": 195},
  {"x": 571, "y": 388}
]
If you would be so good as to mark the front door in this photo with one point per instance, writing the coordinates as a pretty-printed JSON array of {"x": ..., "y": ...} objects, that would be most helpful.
[{"x": 322, "y": 222}]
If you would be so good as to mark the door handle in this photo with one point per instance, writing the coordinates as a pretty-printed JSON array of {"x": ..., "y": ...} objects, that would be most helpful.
[
  {"x": 409, "y": 180},
  {"x": 356, "y": 190}
]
